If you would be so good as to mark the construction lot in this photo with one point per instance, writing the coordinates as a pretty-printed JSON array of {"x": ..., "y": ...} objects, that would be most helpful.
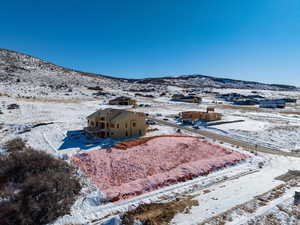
[
  {"x": 210, "y": 193},
  {"x": 158, "y": 162}
]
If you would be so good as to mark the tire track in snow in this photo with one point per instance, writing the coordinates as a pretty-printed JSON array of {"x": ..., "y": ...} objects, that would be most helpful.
[
  {"x": 264, "y": 210},
  {"x": 48, "y": 142}
]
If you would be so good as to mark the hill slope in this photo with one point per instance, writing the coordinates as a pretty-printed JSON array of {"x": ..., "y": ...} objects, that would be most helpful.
[
  {"x": 22, "y": 74},
  {"x": 215, "y": 82}
]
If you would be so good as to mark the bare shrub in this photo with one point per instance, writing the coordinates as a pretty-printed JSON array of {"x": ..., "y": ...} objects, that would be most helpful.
[
  {"x": 206, "y": 191},
  {"x": 158, "y": 213},
  {"x": 14, "y": 145},
  {"x": 13, "y": 106},
  {"x": 41, "y": 188}
]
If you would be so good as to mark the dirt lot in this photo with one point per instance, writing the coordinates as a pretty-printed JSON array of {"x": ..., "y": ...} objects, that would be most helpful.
[{"x": 161, "y": 161}]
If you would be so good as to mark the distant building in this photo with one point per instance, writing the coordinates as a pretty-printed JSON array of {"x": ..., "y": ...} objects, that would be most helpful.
[
  {"x": 297, "y": 198},
  {"x": 210, "y": 109},
  {"x": 273, "y": 104},
  {"x": 186, "y": 98},
  {"x": 239, "y": 99},
  {"x": 192, "y": 116},
  {"x": 230, "y": 97},
  {"x": 245, "y": 102},
  {"x": 290, "y": 100},
  {"x": 116, "y": 123},
  {"x": 122, "y": 101},
  {"x": 254, "y": 97}
]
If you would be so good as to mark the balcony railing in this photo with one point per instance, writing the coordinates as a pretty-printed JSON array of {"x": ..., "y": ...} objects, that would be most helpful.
[{"x": 93, "y": 129}]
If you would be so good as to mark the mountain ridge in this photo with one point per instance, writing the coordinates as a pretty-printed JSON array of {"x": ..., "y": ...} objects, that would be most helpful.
[{"x": 16, "y": 67}]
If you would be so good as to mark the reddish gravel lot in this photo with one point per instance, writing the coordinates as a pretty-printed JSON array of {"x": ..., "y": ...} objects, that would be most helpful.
[{"x": 158, "y": 162}]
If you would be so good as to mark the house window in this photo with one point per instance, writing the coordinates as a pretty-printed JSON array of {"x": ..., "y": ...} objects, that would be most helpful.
[
  {"x": 102, "y": 118},
  {"x": 126, "y": 134},
  {"x": 112, "y": 125},
  {"x": 133, "y": 124},
  {"x": 118, "y": 125},
  {"x": 111, "y": 133},
  {"x": 126, "y": 126},
  {"x": 140, "y": 132},
  {"x": 102, "y": 134}
]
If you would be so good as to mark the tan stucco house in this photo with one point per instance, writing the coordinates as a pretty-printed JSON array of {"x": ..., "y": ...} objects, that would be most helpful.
[
  {"x": 209, "y": 115},
  {"x": 116, "y": 123},
  {"x": 188, "y": 98}
]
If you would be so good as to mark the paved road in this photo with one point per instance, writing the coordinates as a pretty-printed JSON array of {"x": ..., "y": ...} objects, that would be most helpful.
[{"x": 246, "y": 145}]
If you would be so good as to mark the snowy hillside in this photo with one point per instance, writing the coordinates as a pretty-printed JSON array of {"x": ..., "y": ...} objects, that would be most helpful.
[{"x": 26, "y": 76}]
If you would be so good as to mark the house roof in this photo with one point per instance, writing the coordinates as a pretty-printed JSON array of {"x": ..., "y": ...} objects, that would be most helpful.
[
  {"x": 180, "y": 96},
  {"x": 102, "y": 112},
  {"x": 122, "y": 98},
  {"x": 120, "y": 116},
  {"x": 272, "y": 101},
  {"x": 117, "y": 114},
  {"x": 190, "y": 97}
]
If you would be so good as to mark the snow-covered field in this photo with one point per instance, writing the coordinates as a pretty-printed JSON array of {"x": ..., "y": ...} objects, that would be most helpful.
[
  {"x": 232, "y": 193},
  {"x": 274, "y": 130}
]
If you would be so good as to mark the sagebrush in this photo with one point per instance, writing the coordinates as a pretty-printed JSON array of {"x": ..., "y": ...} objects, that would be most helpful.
[{"x": 35, "y": 188}]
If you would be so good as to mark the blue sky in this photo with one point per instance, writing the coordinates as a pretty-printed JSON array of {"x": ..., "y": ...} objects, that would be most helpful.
[{"x": 251, "y": 40}]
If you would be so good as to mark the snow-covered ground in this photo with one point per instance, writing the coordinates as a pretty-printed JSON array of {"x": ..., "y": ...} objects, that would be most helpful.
[
  {"x": 68, "y": 118},
  {"x": 277, "y": 131},
  {"x": 232, "y": 193}
]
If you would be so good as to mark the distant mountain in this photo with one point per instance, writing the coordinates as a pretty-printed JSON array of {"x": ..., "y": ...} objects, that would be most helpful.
[
  {"x": 21, "y": 73},
  {"x": 213, "y": 82}
]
